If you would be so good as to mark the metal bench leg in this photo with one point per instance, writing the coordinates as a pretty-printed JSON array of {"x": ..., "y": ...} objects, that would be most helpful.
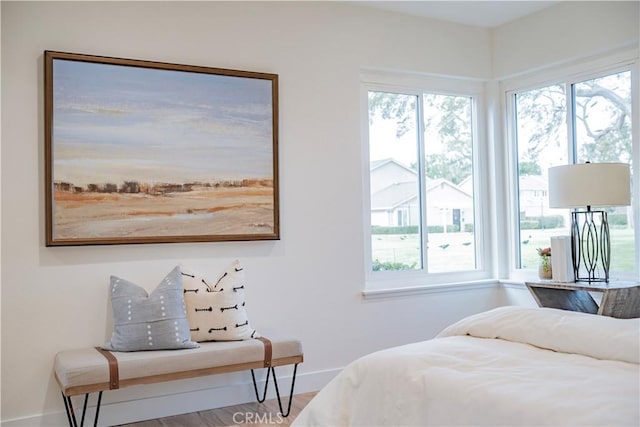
[
  {"x": 293, "y": 383},
  {"x": 84, "y": 409},
  {"x": 95, "y": 421},
  {"x": 255, "y": 386},
  {"x": 71, "y": 415},
  {"x": 275, "y": 381}
]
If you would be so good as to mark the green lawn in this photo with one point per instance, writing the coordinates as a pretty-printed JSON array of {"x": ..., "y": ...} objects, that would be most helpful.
[
  {"x": 622, "y": 248},
  {"x": 447, "y": 251},
  {"x": 455, "y": 251}
]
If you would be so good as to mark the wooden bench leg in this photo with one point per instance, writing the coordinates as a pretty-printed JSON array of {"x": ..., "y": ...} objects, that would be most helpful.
[
  {"x": 275, "y": 382},
  {"x": 71, "y": 415}
]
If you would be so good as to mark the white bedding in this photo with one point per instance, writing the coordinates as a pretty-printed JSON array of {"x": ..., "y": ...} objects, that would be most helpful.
[{"x": 512, "y": 366}]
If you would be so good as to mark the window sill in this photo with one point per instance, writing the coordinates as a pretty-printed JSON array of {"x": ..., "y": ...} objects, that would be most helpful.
[
  {"x": 515, "y": 283},
  {"x": 428, "y": 289}
]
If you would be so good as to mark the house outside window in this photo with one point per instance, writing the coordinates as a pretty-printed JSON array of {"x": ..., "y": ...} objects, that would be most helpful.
[
  {"x": 423, "y": 212},
  {"x": 573, "y": 119}
]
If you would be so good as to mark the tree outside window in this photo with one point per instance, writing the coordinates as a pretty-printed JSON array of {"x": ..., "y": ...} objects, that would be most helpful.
[
  {"x": 428, "y": 176},
  {"x": 571, "y": 122}
]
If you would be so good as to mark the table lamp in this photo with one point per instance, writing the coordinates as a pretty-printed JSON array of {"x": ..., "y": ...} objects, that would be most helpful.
[{"x": 583, "y": 185}]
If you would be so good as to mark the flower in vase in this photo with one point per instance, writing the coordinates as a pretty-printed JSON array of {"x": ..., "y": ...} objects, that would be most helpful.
[
  {"x": 544, "y": 269},
  {"x": 544, "y": 252}
]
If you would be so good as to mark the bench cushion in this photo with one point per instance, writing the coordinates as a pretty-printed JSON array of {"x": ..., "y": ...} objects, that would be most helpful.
[{"x": 86, "y": 370}]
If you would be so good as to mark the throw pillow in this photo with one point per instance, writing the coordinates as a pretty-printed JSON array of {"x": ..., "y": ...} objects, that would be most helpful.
[
  {"x": 216, "y": 308},
  {"x": 156, "y": 321}
]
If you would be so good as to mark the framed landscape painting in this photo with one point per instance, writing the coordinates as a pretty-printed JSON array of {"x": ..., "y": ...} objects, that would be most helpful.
[{"x": 149, "y": 152}]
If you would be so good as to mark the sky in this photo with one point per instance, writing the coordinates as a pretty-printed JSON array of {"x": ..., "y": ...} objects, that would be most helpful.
[{"x": 113, "y": 123}]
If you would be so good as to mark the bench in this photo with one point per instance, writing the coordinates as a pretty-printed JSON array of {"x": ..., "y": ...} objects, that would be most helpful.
[{"x": 91, "y": 370}]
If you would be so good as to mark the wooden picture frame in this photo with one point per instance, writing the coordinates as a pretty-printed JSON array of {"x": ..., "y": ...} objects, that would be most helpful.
[{"x": 149, "y": 152}]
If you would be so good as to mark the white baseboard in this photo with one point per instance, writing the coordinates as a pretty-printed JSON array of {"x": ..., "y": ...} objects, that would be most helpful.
[{"x": 130, "y": 409}]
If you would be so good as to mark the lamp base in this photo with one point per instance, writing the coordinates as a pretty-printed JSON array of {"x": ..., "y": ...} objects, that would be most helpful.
[{"x": 591, "y": 245}]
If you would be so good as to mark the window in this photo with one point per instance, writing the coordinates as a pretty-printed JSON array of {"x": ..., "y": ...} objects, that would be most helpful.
[
  {"x": 423, "y": 211},
  {"x": 571, "y": 121},
  {"x": 394, "y": 181}
]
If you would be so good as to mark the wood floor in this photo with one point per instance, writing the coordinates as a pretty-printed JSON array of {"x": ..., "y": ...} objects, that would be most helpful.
[{"x": 252, "y": 414}]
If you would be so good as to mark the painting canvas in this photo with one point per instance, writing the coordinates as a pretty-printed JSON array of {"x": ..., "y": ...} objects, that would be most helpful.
[{"x": 148, "y": 152}]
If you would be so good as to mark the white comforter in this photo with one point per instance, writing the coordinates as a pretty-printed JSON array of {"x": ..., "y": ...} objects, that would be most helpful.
[{"x": 511, "y": 366}]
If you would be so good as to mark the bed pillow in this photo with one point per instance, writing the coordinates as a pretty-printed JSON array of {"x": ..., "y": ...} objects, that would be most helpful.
[
  {"x": 216, "y": 308},
  {"x": 156, "y": 321}
]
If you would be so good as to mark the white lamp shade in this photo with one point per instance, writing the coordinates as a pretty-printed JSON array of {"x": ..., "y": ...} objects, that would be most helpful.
[{"x": 589, "y": 184}]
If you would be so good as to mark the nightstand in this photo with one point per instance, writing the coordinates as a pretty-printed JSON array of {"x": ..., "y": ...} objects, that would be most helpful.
[{"x": 619, "y": 299}]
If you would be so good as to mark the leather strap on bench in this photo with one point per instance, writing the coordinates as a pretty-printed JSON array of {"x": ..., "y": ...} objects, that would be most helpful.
[
  {"x": 267, "y": 351},
  {"x": 114, "y": 380}
]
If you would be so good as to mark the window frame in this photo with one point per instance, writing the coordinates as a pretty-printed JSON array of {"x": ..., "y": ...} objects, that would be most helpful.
[
  {"x": 567, "y": 75},
  {"x": 418, "y": 85}
]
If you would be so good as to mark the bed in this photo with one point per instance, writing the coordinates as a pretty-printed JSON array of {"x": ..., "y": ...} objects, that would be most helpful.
[{"x": 511, "y": 366}]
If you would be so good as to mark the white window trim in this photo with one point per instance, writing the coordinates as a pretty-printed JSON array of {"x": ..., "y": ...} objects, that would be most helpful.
[
  {"x": 568, "y": 73},
  {"x": 403, "y": 282},
  {"x": 429, "y": 289}
]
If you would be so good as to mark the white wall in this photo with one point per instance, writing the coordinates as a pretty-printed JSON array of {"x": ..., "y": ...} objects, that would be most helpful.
[
  {"x": 309, "y": 282},
  {"x": 570, "y": 30}
]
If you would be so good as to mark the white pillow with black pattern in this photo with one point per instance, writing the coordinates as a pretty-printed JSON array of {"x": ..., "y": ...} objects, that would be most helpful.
[{"x": 216, "y": 308}]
